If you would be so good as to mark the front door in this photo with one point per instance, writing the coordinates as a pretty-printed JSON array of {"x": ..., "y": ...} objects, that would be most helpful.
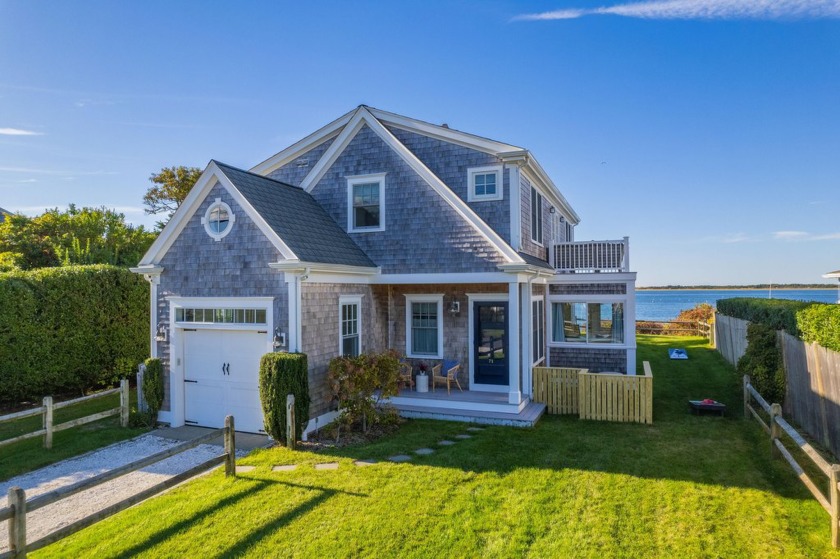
[{"x": 490, "y": 346}]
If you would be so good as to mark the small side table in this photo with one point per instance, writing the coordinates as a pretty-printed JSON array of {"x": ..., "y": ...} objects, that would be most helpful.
[{"x": 422, "y": 382}]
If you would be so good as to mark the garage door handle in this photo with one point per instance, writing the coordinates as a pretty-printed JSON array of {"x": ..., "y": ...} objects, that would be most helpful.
[{"x": 188, "y": 380}]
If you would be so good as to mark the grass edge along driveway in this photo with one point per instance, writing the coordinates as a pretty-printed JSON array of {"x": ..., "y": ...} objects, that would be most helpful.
[{"x": 684, "y": 487}]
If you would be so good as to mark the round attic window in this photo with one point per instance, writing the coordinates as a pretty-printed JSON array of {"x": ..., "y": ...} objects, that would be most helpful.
[{"x": 218, "y": 220}]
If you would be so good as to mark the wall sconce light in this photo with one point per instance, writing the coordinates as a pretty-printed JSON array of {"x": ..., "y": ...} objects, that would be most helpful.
[
  {"x": 279, "y": 339},
  {"x": 455, "y": 307},
  {"x": 160, "y": 336},
  {"x": 552, "y": 209},
  {"x": 562, "y": 219}
]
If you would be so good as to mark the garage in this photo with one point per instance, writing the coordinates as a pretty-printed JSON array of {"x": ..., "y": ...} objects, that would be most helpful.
[{"x": 221, "y": 377}]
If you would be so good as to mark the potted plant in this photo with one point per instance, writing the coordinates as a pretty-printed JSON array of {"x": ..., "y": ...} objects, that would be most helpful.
[{"x": 422, "y": 380}]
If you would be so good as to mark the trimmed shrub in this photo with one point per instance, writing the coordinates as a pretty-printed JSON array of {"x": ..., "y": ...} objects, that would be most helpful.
[
  {"x": 779, "y": 314},
  {"x": 763, "y": 362},
  {"x": 69, "y": 329},
  {"x": 810, "y": 321},
  {"x": 153, "y": 386},
  {"x": 282, "y": 374}
]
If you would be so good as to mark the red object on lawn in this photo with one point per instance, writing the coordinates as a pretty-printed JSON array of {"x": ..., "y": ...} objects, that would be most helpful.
[{"x": 709, "y": 401}]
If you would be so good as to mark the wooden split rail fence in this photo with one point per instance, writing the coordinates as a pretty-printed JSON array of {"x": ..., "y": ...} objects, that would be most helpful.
[
  {"x": 17, "y": 509},
  {"x": 778, "y": 425},
  {"x": 48, "y": 408},
  {"x": 597, "y": 396}
]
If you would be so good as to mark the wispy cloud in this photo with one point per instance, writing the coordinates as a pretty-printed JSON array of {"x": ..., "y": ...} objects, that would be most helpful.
[
  {"x": 805, "y": 236},
  {"x": 18, "y": 132},
  {"x": 702, "y": 9},
  {"x": 39, "y": 171},
  {"x": 737, "y": 238}
]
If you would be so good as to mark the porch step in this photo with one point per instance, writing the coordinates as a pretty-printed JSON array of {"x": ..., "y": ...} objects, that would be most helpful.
[{"x": 527, "y": 417}]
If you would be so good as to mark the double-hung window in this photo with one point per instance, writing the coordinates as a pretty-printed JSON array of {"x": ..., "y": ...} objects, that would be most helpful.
[
  {"x": 485, "y": 183},
  {"x": 350, "y": 326},
  {"x": 589, "y": 323},
  {"x": 536, "y": 216},
  {"x": 538, "y": 330},
  {"x": 424, "y": 326},
  {"x": 366, "y": 203}
]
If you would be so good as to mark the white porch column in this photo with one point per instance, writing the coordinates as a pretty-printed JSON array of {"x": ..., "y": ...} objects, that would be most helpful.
[
  {"x": 154, "y": 281},
  {"x": 526, "y": 334},
  {"x": 514, "y": 340},
  {"x": 295, "y": 327},
  {"x": 630, "y": 327}
]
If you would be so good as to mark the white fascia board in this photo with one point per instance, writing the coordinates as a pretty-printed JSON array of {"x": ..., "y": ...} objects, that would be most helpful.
[
  {"x": 147, "y": 270},
  {"x": 535, "y": 171},
  {"x": 336, "y": 148},
  {"x": 181, "y": 216},
  {"x": 464, "y": 139},
  {"x": 295, "y": 265},
  {"x": 299, "y": 148},
  {"x": 601, "y": 277},
  {"x": 442, "y": 278}
]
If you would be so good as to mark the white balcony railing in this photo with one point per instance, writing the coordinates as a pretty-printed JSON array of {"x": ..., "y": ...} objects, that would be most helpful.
[{"x": 588, "y": 257}]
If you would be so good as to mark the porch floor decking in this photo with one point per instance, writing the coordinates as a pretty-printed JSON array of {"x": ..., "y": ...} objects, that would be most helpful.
[
  {"x": 472, "y": 406},
  {"x": 528, "y": 417}
]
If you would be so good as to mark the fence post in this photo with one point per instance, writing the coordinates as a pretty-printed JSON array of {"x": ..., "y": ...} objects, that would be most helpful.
[
  {"x": 141, "y": 399},
  {"x": 48, "y": 421},
  {"x": 834, "y": 490},
  {"x": 124, "y": 399},
  {"x": 17, "y": 523},
  {"x": 230, "y": 446},
  {"x": 746, "y": 396},
  {"x": 290, "y": 421},
  {"x": 775, "y": 430}
]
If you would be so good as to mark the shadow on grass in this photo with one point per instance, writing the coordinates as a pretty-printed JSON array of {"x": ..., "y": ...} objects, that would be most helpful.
[
  {"x": 247, "y": 540},
  {"x": 679, "y": 446}
]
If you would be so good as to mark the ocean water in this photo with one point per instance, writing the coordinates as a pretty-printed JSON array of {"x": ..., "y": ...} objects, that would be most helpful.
[{"x": 666, "y": 304}]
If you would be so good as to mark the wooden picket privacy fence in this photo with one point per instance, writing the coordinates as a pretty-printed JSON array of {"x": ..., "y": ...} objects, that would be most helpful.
[
  {"x": 48, "y": 408},
  {"x": 596, "y": 396}
]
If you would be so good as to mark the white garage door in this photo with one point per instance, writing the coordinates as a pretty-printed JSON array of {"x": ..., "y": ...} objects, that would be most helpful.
[{"x": 221, "y": 372}]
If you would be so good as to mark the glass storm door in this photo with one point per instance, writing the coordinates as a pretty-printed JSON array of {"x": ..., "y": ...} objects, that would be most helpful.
[{"x": 490, "y": 346}]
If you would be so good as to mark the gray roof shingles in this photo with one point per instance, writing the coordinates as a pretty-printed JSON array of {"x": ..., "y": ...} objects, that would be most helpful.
[
  {"x": 297, "y": 219},
  {"x": 534, "y": 261}
]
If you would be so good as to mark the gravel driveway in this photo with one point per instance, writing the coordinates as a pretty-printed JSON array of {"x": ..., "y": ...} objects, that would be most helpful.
[{"x": 48, "y": 519}]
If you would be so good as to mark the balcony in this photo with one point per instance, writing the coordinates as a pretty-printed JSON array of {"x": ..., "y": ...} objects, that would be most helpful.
[{"x": 592, "y": 257}]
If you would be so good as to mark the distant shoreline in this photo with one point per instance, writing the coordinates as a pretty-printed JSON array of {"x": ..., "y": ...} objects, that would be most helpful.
[{"x": 739, "y": 288}]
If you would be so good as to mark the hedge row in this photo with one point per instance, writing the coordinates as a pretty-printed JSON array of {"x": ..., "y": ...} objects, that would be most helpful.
[
  {"x": 70, "y": 329},
  {"x": 813, "y": 322}
]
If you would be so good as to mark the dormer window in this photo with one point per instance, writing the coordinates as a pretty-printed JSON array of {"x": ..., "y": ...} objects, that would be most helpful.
[
  {"x": 485, "y": 183},
  {"x": 366, "y": 203}
]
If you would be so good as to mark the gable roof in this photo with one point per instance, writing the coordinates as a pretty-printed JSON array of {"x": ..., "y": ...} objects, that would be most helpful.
[
  {"x": 317, "y": 238},
  {"x": 298, "y": 219}
]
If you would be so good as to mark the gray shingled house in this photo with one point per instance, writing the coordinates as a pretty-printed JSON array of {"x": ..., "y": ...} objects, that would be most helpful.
[{"x": 381, "y": 231}]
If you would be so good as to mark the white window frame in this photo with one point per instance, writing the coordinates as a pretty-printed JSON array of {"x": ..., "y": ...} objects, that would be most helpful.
[
  {"x": 541, "y": 199},
  {"x": 500, "y": 191},
  {"x": 350, "y": 300},
  {"x": 588, "y": 299},
  {"x": 426, "y": 298},
  {"x": 378, "y": 178},
  {"x": 205, "y": 221},
  {"x": 534, "y": 341}
]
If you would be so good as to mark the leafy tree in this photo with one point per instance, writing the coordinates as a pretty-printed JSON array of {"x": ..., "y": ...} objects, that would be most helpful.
[
  {"x": 75, "y": 236},
  {"x": 170, "y": 186}
]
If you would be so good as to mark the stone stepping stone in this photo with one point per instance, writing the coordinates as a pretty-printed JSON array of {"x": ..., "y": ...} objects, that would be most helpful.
[
  {"x": 327, "y": 466},
  {"x": 475, "y": 428},
  {"x": 245, "y": 469},
  {"x": 463, "y": 436},
  {"x": 284, "y": 468},
  {"x": 400, "y": 458},
  {"x": 446, "y": 443},
  {"x": 365, "y": 462},
  {"x": 424, "y": 451}
]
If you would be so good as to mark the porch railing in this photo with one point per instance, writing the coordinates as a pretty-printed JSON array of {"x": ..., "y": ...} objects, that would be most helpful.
[
  {"x": 598, "y": 396},
  {"x": 592, "y": 256}
]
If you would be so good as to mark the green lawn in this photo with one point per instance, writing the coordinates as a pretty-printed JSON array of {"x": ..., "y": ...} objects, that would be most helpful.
[
  {"x": 30, "y": 454},
  {"x": 685, "y": 487}
]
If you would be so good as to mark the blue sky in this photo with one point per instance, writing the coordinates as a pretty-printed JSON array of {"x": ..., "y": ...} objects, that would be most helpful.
[{"x": 706, "y": 130}]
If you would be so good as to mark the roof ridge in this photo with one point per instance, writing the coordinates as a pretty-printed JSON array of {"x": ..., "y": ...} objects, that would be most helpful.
[{"x": 219, "y": 163}]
